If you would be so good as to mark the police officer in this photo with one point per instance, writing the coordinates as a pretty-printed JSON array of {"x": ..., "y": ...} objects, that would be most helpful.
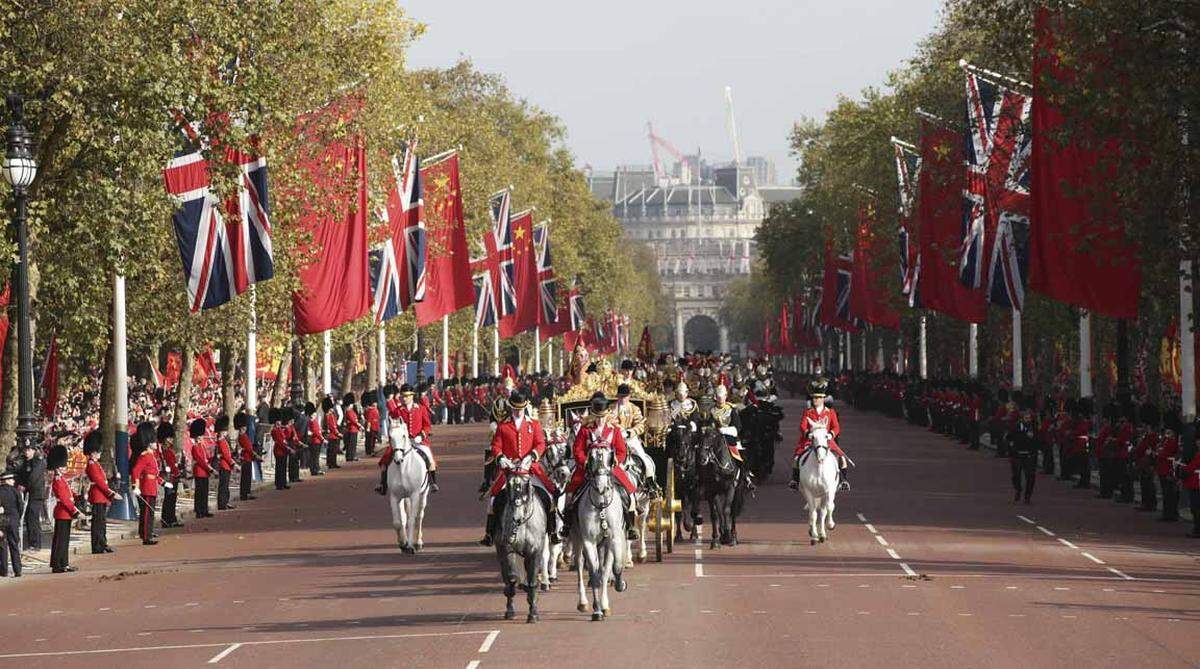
[
  {"x": 1023, "y": 452},
  {"x": 32, "y": 479},
  {"x": 10, "y": 524},
  {"x": 172, "y": 474}
]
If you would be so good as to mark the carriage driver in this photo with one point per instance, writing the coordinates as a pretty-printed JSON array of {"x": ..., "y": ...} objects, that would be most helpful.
[
  {"x": 416, "y": 417},
  {"x": 514, "y": 439},
  {"x": 599, "y": 431},
  {"x": 729, "y": 424},
  {"x": 628, "y": 416},
  {"x": 819, "y": 416}
]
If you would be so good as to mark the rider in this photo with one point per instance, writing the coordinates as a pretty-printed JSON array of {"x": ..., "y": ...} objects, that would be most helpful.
[
  {"x": 729, "y": 424},
  {"x": 416, "y": 417},
  {"x": 598, "y": 431},
  {"x": 629, "y": 418},
  {"x": 819, "y": 415},
  {"x": 682, "y": 407},
  {"x": 514, "y": 439}
]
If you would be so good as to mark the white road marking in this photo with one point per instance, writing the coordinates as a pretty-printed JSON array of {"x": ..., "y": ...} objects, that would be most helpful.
[
  {"x": 1045, "y": 531},
  {"x": 776, "y": 585},
  {"x": 881, "y": 540},
  {"x": 1016, "y": 615},
  {"x": 223, "y": 654},
  {"x": 966, "y": 615},
  {"x": 105, "y": 608},
  {"x": 1070, "y": 617},
  {"x": 488, "y": 641},
  {"x": 1010, "y": 587},
  {"x": 1122, "y": 574},
  {"x": 655, "y": 610},
  {"x": 56, "y": 611},
  {"x": 908, "y": 585},
  {"x": 92, "y": 636},
  {"x": 1061, "y": 588},
  {"x": 263, "y": 642},
  {"x": 893, "y": 553},
  {"x": 473, "y": 664},
  {"x": 758, "y": 611},
  {"x": 861, "y": 518},
  {"x": 150, "y": 606},
  {"x": 192, "y": 604},
  {"x": 864, "y": 613},
  {"x": 914, "y": 613},
  {"x": 705, "y": 610},
  {"x": 871, "y": 528},
  {"x": 1068, "y": 544},
  {"x": 1108, "y": 589},
  {"x": 908, "y": 571},
  {"x": 958, "y": 587},
  {"x": 1026, "y": 519},
  {"x": 239, "y": 601},
  {"x": 699, "y": 570},
  {"x": 864, "y": 585}
]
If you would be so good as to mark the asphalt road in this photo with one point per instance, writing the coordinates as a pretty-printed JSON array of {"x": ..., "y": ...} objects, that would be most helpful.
[{"x": 932, "y": 565}]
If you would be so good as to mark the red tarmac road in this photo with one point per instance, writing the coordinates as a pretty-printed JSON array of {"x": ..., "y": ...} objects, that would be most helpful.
[{"x": 932, "y": 565}]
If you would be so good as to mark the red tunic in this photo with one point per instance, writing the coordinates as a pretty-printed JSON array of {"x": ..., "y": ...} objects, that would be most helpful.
[
  {"x": 515, "y": 443},
  {"x": 279, "y": 439},
  {"x": 352, "y": 426},
  {"x": 145, "y": 474},
  {"x": 246, "y": 448},
  {"x": 811, "y": 419},
  {"x": 226, "y": 455},
  {"x": 64, "y": 501},
  {"x": 99, "y": 492},
  {"x": 1168, "y": 448},
  {"x": 170, "y": 460},
  {"x": 1145, "y": 445},
  {"x": 1191, "y": 474},
  {"x": 201, "y": 469},
  {"x": 372, "y": 415},
  {"x": 604, "y": 435},
  {"x": 314, "y": 433},
  {"x": 417, "y": 420},
  {"x": 331, "y": 427}
]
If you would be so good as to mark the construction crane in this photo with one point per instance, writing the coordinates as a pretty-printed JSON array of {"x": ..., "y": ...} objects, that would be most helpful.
[
  {"x": 655, "y": 142},
  {"x": 733, "y": 134}
]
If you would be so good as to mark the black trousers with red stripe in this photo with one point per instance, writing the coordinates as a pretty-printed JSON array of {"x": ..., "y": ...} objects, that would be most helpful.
[{"x": 146, "y": 517}]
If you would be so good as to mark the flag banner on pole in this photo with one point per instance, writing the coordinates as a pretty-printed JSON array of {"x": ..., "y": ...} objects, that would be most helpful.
[
  {"x": 547, "y": 284},
  {"x": 49, "y": 381},
  {"x": 520, "y": 276},
  {"x": 386, "y": 288},
  {"x": 868, "y": 301},
  {"x": 995, "y": 245},
  {"x": 908, "y": 172},
  {"x": 645, "y": 350},
  {"x": 173, "y": 370},
  {"x": 1078, "y": 250},
  {"x": 404, "y": 214},
  {"x": 448, "y": 285},
  {"x": 335, "y": 281},
  {"x": 561, "y": 325},
  {"x": 940, "y": 220},
  {"x": 485, "y": 300},
  {"x": 575, "y": 302},
  {"x": 837, "y": 285},
  {"x": 222, "y": 252},
  {"x": 155, "y": 375}
]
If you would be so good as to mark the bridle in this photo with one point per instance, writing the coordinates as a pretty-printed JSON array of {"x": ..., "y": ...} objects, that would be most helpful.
[{"x": 519, "y": 495}]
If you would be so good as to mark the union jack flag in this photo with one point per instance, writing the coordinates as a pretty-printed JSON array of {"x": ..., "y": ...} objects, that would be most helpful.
[
  {"x": 485, "y": 300},
  {"x": 405, "y": 216},
  {"x": 385, "y": 283},
  {"x": 845, "y": 283},
  {"x": 548, "y": 285},
  {"x": 500, "y": 246},
  {"x": 578, "y": 315},
  {"x": 221, "y": 256},
  {"x": 995, "y": 248},
  {"x": 908, "y": 174}
]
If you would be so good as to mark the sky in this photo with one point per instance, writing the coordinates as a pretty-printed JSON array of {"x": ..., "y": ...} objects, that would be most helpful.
[{"x": 606, "y": 68}]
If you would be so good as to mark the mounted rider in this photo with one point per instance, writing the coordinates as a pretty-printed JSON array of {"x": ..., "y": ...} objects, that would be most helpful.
[
  {"x": 729, "y": 424},
  {"x": 416, "y": 417},
  {"x": 514, "y": 438},
  {"x": 629, "y": 418},
  {"x": 599, "y": 431},
  {"x": 819, "y": 416}
]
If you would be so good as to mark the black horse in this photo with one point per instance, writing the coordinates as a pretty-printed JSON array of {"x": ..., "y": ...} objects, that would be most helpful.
[
  {"x": 718, "y": 478},
  {"x": 760, "y": 426},
  {"x": 682, "y": 439}
]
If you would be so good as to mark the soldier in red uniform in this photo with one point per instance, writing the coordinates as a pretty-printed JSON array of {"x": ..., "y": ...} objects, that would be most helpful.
[
  {"x": 172, "y": 473},
  {"x": 819, "y": 416},
  {"x": 201, "y": 466},
  {"x": 1164, "y": 462},
  {"x": 99, "y": 493},
  {"x": 1143, "y": 457},
  {"x": 333, "y": 436},
  {"x": 371, "y": 414},
  {"x": 353, "y": 427},
  {"x": 224, "y": 463},
  {"x": 315, "y": 440},
  {"x": 144, "y": 481},
  {"x": 247, "y": 456},
  {"x": 280, "y": 448},
  {"x": 599, "y": 431},
  {"x": 1106, "y": 448},
  {"x": 1081, "y": 441},
  {"x": 64, "y": 510},
  {"x": 514, "y": 439},
  {"x": 1189, "y": 474},
  {"x": 416, "y": 418}
]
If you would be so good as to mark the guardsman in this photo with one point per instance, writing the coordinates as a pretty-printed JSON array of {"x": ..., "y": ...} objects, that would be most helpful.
[
  {"x": 1143, "y": 457},
  {"x": 281, "y": 448},
  {"x": 416, "y": 418},
  {"x": 64, "y": 510},
  {"x": 99, "y": 492},
  {"x": 294, "y": 421},
  {"x": 729, "y": 424},
  {"x": 315, "y": 440},
  {"x": 10, "y": 524},
  {"x": 683, "y": 407},
  {"x": 514, "y": 439},
  {"x": 1123, "y": 465},
  {"x": 598, "y": 431},
  {"x": 819, "y": 416},
  {"x": 333, "y": 436},
  {"x": 224, "y": 457},
  {"x": 143, "y": 481},
  {"x": 201, "y": 466},
  {"x": 1106, "y": 450},
  {"x": 371, "y": 414},
  {"x": 1023, "y": 452},
  {"x": 1164, "y": 462},
  {"x": 246, "y": 456},
  {"x": 172, "y": 473},
  {"x": 1189, "y": 474},
  {"x": 353, "y": 427},
  {"x": 1081, "y": 441}
]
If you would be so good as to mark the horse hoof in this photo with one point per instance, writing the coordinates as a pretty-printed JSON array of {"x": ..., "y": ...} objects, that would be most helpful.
[
  {"x": 621, "y": 585},
  {"x": 554, "y": 579},
  {"x": 509, "y": 615},
  {"x": 713, "y": 545},
  {"x": 545, "y": 587},
  {"x": 582, "y": 608},
  {"x": 823, "y": 539},
  {"x": 607, "y": 612},
  {"x": 532, "y": 618},
  {"x": 812, "y": 542},
  {"x": 597, "y": 617}
]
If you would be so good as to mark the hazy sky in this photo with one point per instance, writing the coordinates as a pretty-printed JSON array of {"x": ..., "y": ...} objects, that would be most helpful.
[{"x": 606, "y": 67}]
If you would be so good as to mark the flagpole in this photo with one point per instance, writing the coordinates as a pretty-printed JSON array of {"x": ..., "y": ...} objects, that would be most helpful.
[
  {"x": 382, "y": 355},
  {"x": 550, "y": 356},
  {"x": 862, "y": 352},
  {"x": 1085, "y": 354},
  {"x": 120, "y": 509},
  {"x": 1187, "y": 347},
  {"x": 445, "y": 347},
  {"x": 475, "y": 351},
  {"x": 252, "y": 375},
  {"x": 537, "y": 348},
  {"x": 1017, "y": 372},
  {"x": 973, "y": 350},
  {"x": 879, "y": 360},
  {"x": 922, "y": 358},
  {"x": 326, "y": 363},
  {"x": 496, "y": 350}
]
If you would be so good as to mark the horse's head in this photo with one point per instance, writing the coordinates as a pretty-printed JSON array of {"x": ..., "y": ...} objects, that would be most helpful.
[
  {"x": 599, "y": 468},
  {"x": 820, "y": 442},
  {"x": 711, "y": 449},
  {"x": 517, "y": 477},
  {"x": 401, "y": 444}
]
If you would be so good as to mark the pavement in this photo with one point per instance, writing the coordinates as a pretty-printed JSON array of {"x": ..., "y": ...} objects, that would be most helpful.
[{"x": 931, "y": 565}]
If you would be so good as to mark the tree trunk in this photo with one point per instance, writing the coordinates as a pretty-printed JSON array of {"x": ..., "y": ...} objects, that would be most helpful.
[
  {"x": 349, "y": 367},
  {"x": 310, "y": 377},
  {"x": 373, "y": 361},
  {"x": 108, "y": 410},
  {"x": 281, "y": 383},
  {"x": 183, "y": 398}
]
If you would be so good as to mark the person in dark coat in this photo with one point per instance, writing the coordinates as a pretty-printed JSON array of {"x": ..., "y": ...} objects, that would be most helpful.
[
  {"x": 31, "y": 479},
  {"x": 10, "y": 524}
]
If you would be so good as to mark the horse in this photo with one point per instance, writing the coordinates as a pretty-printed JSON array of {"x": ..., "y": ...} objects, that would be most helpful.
[
  {"x": 640, "y": 469},
  {"x": 559, "y": 465},
  {"x": 718, "y": 476},
  {"x": 408, "y": 489},
  {"x": 599, "y": 533},
  {"x": 682, "y": 437},
  {"x": 522, "y": 533},
  {"x": 819, "y": 483},
  {"x": 760, "y": 425}
]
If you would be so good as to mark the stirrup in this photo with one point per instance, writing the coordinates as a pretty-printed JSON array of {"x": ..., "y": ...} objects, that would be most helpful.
[{"x": 793, "y": 484}]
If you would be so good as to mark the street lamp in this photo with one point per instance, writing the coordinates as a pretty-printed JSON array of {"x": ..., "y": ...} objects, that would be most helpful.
[{"x": 19, "y": 171}]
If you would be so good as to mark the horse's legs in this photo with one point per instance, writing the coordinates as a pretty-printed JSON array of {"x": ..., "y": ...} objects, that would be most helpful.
[
  {"x": 404, "y": 530},
  {"x": 812, "y": 520},
  {"x": 582, "y": 606},
  {"x": 610, "y": 563},
  {"x": 531, "y": 586},
  {"x": 596, "y": 576},
  {"x": 726, "y": 511},
  {"x": 829, "y": 523},
  {"x": 543, "y": 564},
  {"x": 510, "y": 589},
  {"x": 642, "y": 520},
  {"x": 422, "y": 504},
  {"x": 716, "y": 524},
  {"x": 397, "y": 518}
]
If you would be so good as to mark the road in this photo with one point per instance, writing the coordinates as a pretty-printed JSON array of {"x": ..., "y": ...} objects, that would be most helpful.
[{"x": 932, "y": 565}]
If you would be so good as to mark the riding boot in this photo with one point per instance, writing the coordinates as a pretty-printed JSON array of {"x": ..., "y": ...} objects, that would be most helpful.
[
  {"x": 489, "y": 531},
  {"x": 382, "y": 487},
  {"x": 433, "y": 486},
  {"x": 843, "y": 479},
  {"x": 630, "y": 525},
  {"x": 795, "y": 482}
]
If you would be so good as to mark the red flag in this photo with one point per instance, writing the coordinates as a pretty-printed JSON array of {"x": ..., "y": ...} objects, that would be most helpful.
[
  {"x": 645, "y": 349},
  {"x": 205, "y": 369},
  {"x": 526, "y": 289},
  {"x": 785, "y": 337},
  {"x": 50, "y": 379},
  {"x": 1078, "y": 252},
  {"x": 448, "y": 285},
  {"x": 335, "y": 284},
  {"x": 868, "y": 301},
  {"x": 561, "y": 326},
  {"x": 174, "y": 367},
  {"x": 939, "y": 215}
]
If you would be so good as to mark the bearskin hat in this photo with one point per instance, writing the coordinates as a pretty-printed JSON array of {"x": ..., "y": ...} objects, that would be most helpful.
[
  {"x": 91, "y": 443},
  {"x": 1150, "y": 415},
  {"x": 165, "y": 431},
  {"x": 310, "y": 408},
  {"x": 240, "y": 420},
  {"x": 197, "y": 428},
  {"x": 370, "y": 397},
  {"x": 221, "y": 424},
  {"x": 348, "y": 399},
  {"x": 1171, "y": 421},
  {"x": 57, "y": 457}
]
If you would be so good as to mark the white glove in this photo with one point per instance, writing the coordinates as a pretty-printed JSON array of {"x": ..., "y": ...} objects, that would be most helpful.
[{"x": 418, "y": 439}]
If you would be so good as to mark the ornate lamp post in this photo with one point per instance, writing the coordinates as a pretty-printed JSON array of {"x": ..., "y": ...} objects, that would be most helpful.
[{"x": 19, "y": 171}]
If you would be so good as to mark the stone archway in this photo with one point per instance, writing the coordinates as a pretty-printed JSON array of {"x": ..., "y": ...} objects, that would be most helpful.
[{"x": 701, "y": 333}]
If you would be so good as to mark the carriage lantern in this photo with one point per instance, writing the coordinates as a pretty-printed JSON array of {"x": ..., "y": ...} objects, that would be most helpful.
[
  {"x": 546, "y": 414},
  {"x": 656, "y": 416}
]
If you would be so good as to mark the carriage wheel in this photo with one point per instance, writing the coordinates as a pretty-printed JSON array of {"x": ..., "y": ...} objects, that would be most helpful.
[
  {"x": 669, "y": 502},
  {"x": 658, "y": 535}
]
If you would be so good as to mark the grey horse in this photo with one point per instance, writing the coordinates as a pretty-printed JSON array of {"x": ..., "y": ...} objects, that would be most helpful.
[{"x": 522, "y": 533}]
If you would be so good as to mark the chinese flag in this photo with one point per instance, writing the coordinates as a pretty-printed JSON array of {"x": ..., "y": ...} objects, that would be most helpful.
[
  {"x": 448, "y": 285},
  {"x": 525, "y": 279}
]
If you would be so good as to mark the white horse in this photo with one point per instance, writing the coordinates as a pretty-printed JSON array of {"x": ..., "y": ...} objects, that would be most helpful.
[
  {"x": 408, "y": 489},
  {"x": 558, "y": 464},
  {"x": 600, "y": 534},
  {"x": 819, "y": 483},
  {"x": 640, "y": 467}
]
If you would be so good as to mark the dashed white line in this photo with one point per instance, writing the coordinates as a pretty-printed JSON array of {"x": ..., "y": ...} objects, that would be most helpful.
[
  {"x": 225, "y": 653},
  {"x": 881, "y": 540},
  {"x": 871, "y": 528},
  {"x": 473, "y": 664},
  {"x": 1026, "y": 519},
  {"x": 1093, "y": 558},
  {"x": 861, "y": 518},
  {"x": 488, "y": 641},
  {"x": 1122, "y": 574},
  {"x": 893, "y": 554},
  {"x": 699, "y": 564},
  {"x": 1045, "y": 531},
  {"x": 1068, "y": 544},
  {"x": 908, "y": 571}
]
